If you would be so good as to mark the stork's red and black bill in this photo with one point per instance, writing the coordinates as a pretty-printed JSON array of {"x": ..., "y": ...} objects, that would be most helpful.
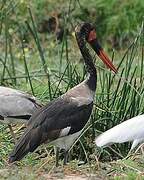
[{"x": 92, "y": 39}]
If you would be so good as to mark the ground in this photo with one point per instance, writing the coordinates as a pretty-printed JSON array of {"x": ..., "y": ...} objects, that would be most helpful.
[{"x": 130, "y": 168}]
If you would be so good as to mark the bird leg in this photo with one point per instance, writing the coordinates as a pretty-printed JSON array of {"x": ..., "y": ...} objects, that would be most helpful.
[
  {"x": 57, "y": 156},
  {"x": 142, "y": 149},
  {"x": 12, "y": 133},
  {"x": 66, "y": 154}
]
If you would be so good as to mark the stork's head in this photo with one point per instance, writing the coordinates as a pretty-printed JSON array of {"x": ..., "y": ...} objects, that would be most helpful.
[{"x": 86, "y": 31}]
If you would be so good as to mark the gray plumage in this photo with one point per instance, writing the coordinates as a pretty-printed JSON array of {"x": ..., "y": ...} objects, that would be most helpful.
[{"x": 16, "y": 106}]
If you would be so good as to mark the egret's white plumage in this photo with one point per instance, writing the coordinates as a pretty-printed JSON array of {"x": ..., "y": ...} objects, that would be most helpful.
[{"x": 130, "y": 130}]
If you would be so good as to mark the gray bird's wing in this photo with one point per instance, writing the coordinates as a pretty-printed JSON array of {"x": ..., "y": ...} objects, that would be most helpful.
[{"x": 16, "y": 103}]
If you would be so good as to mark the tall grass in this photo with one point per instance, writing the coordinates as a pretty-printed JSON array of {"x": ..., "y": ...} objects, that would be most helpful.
[{"x": 123, "y": 94}]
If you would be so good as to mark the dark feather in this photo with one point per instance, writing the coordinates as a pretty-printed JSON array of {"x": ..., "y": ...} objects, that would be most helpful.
[
  {"x": 34, "y": 101},
  {"x": 1, "y": 117},
  {"x": 46, "y": 123},
  {"x": 26, "y": 117}
]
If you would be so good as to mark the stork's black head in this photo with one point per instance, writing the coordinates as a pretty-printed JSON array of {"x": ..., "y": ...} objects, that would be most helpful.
[{"x": 86, "y": 32}]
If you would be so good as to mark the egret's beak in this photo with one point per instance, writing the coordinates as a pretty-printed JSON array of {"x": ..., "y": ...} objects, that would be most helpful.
[{"x": 99, "y": 51}]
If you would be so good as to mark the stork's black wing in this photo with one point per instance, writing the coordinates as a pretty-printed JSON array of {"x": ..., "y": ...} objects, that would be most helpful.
[
  {"x": 47, "y": 123},
  {"x": 60, "y": 114}
]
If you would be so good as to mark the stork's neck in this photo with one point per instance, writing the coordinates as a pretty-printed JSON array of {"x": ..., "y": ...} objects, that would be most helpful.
[
  {"x": 90, "y": 67},
  {"x": 91, "y": 81}
]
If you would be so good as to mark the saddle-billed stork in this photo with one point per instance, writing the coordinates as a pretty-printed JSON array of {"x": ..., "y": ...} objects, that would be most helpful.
[
  {"x": 130, "y": 130},
  {"x": 16, "y": 107},
  {"x": 61, "y": 121}
]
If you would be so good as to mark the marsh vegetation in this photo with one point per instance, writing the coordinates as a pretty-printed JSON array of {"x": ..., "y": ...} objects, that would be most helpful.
[{"x": 47, "y": 62}]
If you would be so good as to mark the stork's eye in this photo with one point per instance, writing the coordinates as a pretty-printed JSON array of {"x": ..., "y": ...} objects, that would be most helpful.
[{"x": 91, "y": 35}]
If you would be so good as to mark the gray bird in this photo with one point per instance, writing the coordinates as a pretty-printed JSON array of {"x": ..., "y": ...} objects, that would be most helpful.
[
  {"x": 62, "y": 120},
  {"x": 16, "y": 107}
]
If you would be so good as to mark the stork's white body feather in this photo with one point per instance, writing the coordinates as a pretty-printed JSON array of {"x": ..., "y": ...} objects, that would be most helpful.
[
  {"x": 81, "y": 94},
  {"x": 130, "y": 130},
  {"x": 66, "y": 141}
]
